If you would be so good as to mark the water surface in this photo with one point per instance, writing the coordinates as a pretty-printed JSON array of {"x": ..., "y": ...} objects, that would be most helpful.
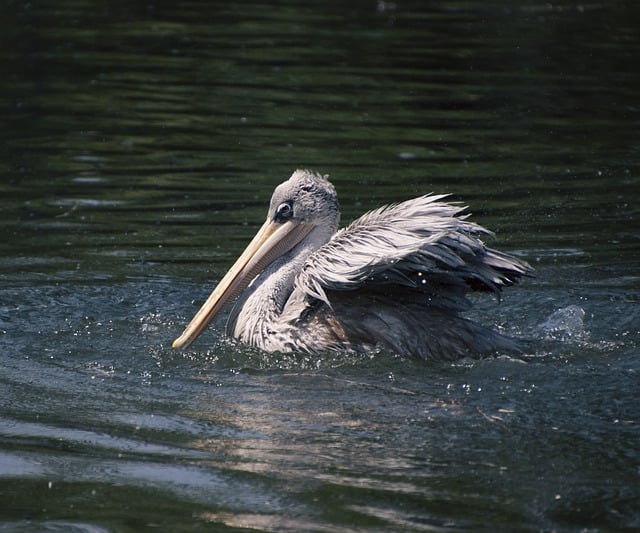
[{"x": 140, "y": 145}]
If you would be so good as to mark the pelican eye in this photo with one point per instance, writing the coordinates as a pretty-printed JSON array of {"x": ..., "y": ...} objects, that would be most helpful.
[{"x": 284, "y": 212}]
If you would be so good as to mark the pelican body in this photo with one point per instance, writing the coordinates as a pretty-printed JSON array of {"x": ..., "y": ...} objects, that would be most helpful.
[{"x": 396, "y": 278}]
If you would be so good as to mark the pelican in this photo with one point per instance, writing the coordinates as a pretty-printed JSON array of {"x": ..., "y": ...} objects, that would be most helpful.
[{"x": 396, "y": 278}]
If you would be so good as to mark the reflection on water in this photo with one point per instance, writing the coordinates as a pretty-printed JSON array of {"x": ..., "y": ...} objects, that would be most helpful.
[{"x": 141, "y": 143}]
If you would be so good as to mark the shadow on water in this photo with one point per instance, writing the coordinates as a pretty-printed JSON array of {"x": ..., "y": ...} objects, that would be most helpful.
[{"x": 141, "y": 143}]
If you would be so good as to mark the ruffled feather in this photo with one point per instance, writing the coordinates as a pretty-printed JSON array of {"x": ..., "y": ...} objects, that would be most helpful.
[{"x": 423, "y": 243}]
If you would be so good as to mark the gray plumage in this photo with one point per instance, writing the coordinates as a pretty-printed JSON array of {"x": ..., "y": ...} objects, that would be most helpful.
[{"x": 396, "y": 278}]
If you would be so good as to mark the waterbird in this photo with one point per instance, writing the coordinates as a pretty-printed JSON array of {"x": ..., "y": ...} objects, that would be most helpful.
[{"x": 397, "y": 278}]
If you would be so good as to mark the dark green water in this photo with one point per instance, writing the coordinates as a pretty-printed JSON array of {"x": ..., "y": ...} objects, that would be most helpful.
[{"x": 140, "y": 143}]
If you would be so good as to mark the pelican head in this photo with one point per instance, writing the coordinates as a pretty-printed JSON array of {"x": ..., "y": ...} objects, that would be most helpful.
[{"x": 303, "y": 215}]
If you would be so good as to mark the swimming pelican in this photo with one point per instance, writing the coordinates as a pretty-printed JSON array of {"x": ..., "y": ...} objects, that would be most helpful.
[{"x": 395, "y": 278}]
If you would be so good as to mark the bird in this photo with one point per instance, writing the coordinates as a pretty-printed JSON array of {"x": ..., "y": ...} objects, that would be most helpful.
[{"x": 397, "y": 278}]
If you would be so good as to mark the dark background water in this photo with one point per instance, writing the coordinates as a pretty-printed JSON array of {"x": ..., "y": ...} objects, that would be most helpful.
[{"x": 140, "y": 144}]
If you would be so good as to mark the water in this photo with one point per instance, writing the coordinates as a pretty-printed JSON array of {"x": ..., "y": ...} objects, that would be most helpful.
[{"x": 140, "y": 145}]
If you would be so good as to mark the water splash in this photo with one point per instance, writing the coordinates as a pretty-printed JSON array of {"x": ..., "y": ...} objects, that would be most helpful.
[{"x": 566, "y": 323}]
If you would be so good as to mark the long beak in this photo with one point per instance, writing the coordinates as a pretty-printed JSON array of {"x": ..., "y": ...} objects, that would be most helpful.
[{"x": 272, "y": 241}]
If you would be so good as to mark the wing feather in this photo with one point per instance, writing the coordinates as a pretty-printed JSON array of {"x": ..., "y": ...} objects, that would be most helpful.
[{"x": 423, "y": 243}]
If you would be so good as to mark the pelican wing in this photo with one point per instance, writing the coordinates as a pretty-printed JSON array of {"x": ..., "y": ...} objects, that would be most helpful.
[{"x": 423, "y": 243}]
